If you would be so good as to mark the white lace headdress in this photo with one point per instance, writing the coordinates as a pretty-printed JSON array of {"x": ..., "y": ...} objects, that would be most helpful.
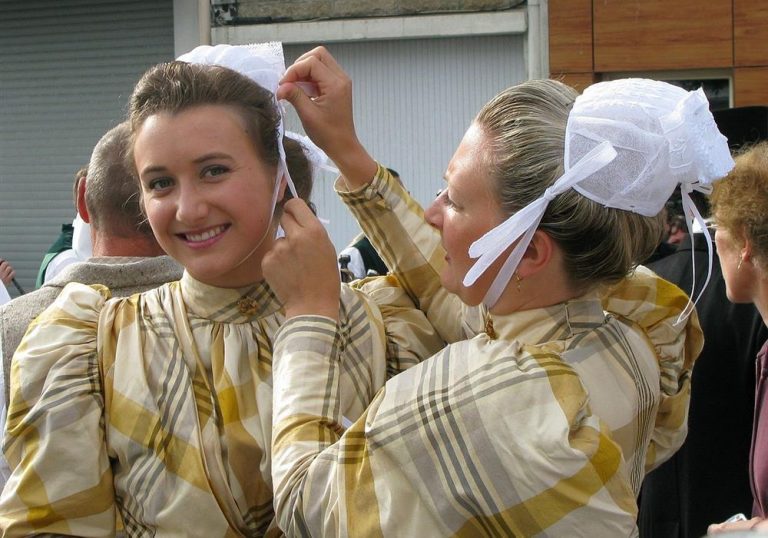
[{"x": 628, "y": 144}]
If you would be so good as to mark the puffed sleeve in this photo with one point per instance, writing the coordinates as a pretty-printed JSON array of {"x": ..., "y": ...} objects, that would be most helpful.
[
  {"x": 655, "y": 305},
  {"x": 409, "y": 336},
  {"x": 381, "y": 335},
  {"x": 394, "y": 223},
  {"x": 55, "y": 437}
]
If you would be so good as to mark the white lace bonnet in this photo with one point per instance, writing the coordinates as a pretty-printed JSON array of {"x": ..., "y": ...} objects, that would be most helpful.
[
  {"x": 628, "y": 144},
  {"x": 264, "y": 64}
]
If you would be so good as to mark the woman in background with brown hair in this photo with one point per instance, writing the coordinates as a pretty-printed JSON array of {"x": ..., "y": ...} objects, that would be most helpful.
[{"x": 740, "y": 211}]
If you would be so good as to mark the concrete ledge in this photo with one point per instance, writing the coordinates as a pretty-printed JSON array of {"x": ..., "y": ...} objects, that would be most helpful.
[
  {"x": 267, "y": 11},
  {"x": 511, "y": 21}
]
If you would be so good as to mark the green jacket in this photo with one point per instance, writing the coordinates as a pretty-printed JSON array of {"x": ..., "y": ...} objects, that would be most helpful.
[{"x": 62, "y": 243}]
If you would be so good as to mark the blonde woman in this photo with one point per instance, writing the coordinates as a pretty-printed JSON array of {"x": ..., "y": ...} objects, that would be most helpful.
[{"x": 568, "y": 373}]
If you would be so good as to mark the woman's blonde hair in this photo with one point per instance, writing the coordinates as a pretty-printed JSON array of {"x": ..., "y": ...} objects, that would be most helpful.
[
  {"x": 525, "y": 128},
  {"x": 740, "y": 201}
]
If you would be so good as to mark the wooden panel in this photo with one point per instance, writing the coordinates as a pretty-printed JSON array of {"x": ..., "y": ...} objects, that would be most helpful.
[
  {"x": 750, "y": 29},
  {"x": 750, "y": 86},
  {"x": 570, "y": 36},
  {"x": 645, "y": 35},
  {"x": 576, "y": 80}
]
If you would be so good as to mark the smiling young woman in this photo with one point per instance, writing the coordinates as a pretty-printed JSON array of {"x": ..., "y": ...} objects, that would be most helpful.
[
  {"x": 157, "y": 409},
  {"x": 207, "y": 192}
]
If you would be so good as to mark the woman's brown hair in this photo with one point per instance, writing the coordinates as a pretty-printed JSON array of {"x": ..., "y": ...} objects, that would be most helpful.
[{"x": 176, "y": 86}]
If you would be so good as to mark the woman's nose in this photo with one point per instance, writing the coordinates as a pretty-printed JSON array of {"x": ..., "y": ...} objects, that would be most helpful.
[
  {"x": 434, "y": 214},
  {"x": 191, "y": 206}
]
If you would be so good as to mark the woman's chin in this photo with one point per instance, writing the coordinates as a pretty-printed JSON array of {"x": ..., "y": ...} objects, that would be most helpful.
[
  {"x": 448, "y": 282},
  {"x": 469, "y": 296}
]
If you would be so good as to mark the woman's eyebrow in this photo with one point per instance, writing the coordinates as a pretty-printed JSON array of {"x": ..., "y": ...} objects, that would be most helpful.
[
  {"x": 212, "y": 156},
  {"x": 152, "y": 169}
]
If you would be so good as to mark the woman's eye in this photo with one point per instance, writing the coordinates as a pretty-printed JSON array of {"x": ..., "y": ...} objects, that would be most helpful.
[
  {"x": 216, "y": 170},
  {"x": 160, "y": 183},
  {"x": 442, "y": 195}
]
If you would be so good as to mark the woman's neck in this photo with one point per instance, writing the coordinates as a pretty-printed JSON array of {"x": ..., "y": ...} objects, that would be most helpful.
[{"x": 537, "y": 291}]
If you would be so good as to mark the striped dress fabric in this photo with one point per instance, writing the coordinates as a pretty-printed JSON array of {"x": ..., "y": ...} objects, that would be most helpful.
[
  {"x": 156, "y": 409},
  {"x": 543, "y": 425}
]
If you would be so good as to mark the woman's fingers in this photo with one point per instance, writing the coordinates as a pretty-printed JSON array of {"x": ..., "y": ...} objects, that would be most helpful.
[
  {"x": 324, "y": 56},
  {"x": 301, "y": 267}
]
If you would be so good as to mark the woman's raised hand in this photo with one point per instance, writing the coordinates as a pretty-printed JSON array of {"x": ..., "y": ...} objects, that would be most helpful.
[
  {"x": 301, "y": 267},
  {"x": 327, "y": 117}
]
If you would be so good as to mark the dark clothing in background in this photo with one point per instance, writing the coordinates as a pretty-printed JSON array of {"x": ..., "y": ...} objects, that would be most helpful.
[
  {"x": 758, "y": 462},
  {"x": 662, "y": 251},
  {"x": 707, "y": 480},
  {"x": 371, "y": 258}
]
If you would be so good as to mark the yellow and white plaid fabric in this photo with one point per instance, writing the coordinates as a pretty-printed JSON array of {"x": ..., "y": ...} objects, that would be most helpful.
[
  {"x": 623, "y": 391},
  {"x": 158, "y": 407},
  {"x": 546, "y": 429}
]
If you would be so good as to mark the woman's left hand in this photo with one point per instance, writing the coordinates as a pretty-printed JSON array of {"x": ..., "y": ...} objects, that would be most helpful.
[{"x": 301, "y": 267}]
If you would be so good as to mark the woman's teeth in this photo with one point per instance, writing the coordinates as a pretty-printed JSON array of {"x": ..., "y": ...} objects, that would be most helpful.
[{"x": 205, "y": 235}]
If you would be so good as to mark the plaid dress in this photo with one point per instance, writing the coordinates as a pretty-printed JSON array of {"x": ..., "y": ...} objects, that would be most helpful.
[
  {"x": 157, "y": 408},
  {"x": 541, "y": 422}
]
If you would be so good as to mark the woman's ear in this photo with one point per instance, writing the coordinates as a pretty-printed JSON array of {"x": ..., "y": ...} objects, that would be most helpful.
[
  {"x": 746, "y": 250},
  {"x": 538, "y": 254}
]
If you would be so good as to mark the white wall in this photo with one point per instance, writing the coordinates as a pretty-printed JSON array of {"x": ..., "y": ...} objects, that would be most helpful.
[{"x": 413, "y": 100}]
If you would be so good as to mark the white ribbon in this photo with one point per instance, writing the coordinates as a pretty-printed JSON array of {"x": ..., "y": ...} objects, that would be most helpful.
[
  {"x": 316, "y": 156},
  {"x": 524, "y": 223},
  {"x": 282, "y": 167},
  {"x": 692, "y": 214}
]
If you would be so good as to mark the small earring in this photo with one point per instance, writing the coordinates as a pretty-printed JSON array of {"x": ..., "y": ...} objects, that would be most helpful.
[
  {"x": 738, "y": 267},
  {"x": 518, "y": 281}
]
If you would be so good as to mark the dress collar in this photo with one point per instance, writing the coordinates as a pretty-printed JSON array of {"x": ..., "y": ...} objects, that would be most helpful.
[
  {"x": 229, "y": 305},
  {"x": 557, "y": 322}
]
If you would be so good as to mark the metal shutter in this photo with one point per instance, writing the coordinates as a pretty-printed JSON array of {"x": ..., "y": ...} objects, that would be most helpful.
[
  {"x": 67, "y": 68},
  {"x": 414, "y": 98}
]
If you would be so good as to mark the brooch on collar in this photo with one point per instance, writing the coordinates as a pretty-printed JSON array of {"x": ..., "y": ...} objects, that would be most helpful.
[
  {"x": 489, "y": 330},
  {"x": 248, "y": 306}
]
